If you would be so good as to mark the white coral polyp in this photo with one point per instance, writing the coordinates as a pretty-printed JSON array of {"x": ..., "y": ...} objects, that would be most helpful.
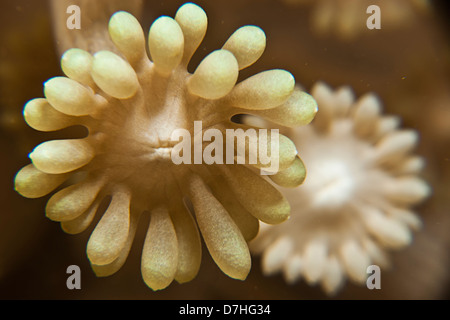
[
  {"x": 131, "y": 106},
  {"x": 356, "y": 202}
]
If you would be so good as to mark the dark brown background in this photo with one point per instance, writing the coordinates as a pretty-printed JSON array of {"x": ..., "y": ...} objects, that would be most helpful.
[{"x": 408, "y": 67}]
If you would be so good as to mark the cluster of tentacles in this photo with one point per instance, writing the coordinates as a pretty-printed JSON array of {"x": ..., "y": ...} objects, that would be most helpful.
[{"x": 347, "y": 18}]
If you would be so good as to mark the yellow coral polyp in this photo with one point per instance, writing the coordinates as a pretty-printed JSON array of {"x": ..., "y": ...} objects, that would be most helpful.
[{"x": 131, "y": 106}]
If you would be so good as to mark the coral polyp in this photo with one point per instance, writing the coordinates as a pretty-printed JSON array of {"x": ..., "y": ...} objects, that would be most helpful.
[
  {"x": 347, "y": 18},
  {"x": 131, "y": 107},
  {"x": 356, "y": 203}
]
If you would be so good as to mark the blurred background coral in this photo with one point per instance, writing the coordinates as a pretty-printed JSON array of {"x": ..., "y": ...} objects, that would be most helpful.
[{"x": 408, "y": 66}]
